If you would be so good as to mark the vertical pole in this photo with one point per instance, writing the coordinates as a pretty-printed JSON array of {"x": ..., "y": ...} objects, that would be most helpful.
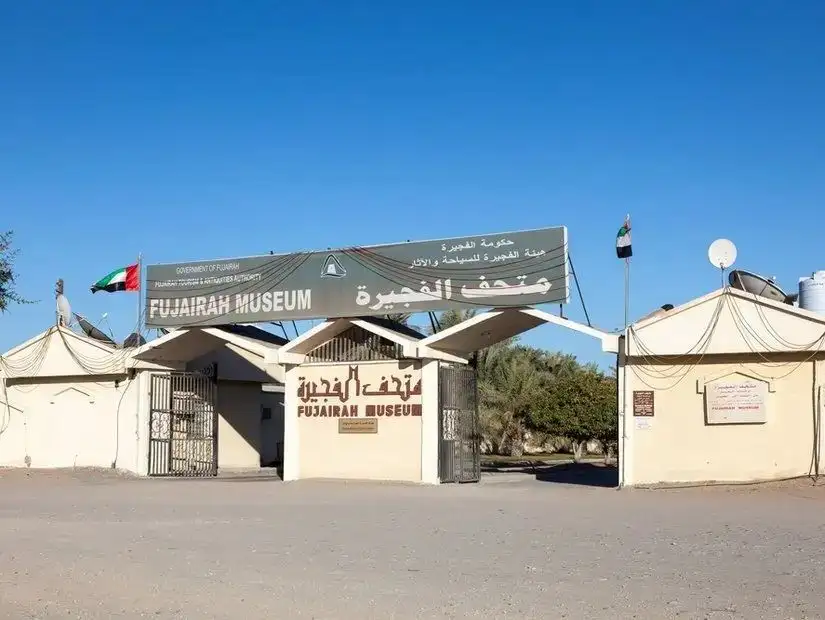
[
  {"x": 626, "y": 292},
  {"x": 139, "y": 328},
  {"x": 621, "y": 361},
  {"x": 623, "y": 357}
]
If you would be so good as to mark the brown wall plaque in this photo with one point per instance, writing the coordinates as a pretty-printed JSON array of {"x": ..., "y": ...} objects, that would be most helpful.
[
  {"x": 643, "y": 403},
  {"x": 358, "y": 426}
]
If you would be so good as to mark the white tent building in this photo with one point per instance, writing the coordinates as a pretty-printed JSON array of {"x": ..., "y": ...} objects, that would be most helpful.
[{"x": 192, "y": 402}]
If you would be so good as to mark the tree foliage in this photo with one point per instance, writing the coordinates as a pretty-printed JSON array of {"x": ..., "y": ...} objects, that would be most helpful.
[
  {"x": 580, "y": 405},
  {"x": 8, "y": 277},
  {"x": 402, "y": 318},
  {"x": 449, "y": 318}
]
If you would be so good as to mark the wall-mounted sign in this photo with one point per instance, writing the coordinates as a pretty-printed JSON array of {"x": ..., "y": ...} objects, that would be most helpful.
[
  {"x": 509, "y": 269},
  {"x": 643, "y": 403},
  {"x": 736, "y": 402},
  {"x": 358, "y": 426},
  {"x": 643, "y": 423},
  {"x": 384, "y": 390}
]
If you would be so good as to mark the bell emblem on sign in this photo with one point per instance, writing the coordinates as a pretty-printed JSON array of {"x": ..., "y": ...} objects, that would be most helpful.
[{"x": 333, "y": 268}]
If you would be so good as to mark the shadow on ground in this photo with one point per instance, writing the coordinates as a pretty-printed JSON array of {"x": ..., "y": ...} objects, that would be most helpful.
[{"x": 585, "y": 474}]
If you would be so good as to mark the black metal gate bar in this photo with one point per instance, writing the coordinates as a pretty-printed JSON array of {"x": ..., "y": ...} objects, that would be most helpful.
[
  {"x": 183, "y": 425},
  {"x": 459, "y": 454}
]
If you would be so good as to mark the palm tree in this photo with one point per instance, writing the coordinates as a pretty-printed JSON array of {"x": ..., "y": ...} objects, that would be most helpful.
[
  {"x": 450, "y": 318},
  {"x": 400, "y": 318},
  {"x": 509, "y": 379}
]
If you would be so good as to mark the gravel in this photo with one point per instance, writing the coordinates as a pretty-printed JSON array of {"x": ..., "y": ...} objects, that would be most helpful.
[{"x": 97, "y": 545}]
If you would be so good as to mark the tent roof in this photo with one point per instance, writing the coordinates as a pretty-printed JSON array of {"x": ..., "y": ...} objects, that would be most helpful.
[
  {"x": 728, "y": 321},
  {"x": 59, "y": 351},
  {"x": 735, "y": 293},
  {"x": 66, "y": 333}
]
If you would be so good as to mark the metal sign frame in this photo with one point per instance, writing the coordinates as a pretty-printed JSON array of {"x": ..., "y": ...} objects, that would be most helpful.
[{"x": 500, "y": 270}]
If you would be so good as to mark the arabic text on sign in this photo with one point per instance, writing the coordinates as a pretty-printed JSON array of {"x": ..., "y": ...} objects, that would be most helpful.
[
  {"x": 351, "y": 387},
  {"x": 736, "y": 402},
  {"x": 485, "y": 257},
  {"x": 643, "y": 403},
  {"x": 444, "y": 290}
]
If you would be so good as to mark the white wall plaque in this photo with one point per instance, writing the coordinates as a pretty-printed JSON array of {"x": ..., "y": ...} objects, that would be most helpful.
[
  {"x": 736, "y": 401},
  {"x": 642, "y": 424}
]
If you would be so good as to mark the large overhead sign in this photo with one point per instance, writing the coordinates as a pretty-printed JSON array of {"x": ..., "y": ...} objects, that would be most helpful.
[{"x": 501, "y": 270}]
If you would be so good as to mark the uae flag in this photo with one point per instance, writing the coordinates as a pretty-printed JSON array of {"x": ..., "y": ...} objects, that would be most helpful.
[
  {"x": 123, "y": 279},
  {"x": 623, "y": 247}
]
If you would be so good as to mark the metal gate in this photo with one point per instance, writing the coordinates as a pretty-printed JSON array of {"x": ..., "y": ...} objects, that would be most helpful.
[
  {"x": 183, "y": 425},
  {"x": 459, "y": 453}
]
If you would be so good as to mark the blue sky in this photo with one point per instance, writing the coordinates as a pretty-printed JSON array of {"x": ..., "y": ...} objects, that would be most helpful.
[{"x": 196, "y": 130}]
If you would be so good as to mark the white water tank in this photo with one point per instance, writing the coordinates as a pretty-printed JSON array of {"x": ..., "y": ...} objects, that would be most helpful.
[{"x": 812, "y": 292}]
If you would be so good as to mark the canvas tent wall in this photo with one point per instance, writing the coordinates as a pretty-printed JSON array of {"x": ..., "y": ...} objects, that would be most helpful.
[
  {"x": 726, "y": 388},
  {"x": 68, "y": 401}
]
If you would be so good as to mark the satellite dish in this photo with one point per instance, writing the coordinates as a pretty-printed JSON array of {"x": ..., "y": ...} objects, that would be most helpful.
[
  {"x": 133, "y": 341},
  {"x": 64, "y": 311},
  {"x": 758, "y": 285},
  {"x": 722, "y": 253},
  {"x": 93, "y": 332}
]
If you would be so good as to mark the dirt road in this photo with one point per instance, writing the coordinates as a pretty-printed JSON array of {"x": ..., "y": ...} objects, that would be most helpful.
[{"x": 93, "y": 545}]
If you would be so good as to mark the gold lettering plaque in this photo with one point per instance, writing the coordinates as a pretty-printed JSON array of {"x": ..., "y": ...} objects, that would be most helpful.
[{"x": 358, "y": 426}]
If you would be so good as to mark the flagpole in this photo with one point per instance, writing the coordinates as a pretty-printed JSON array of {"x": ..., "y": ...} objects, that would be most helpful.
[
  {"x": 138, "y": 329},
  {"x": 626, "y": 292},
  {"x": 627, "y": 286},
  {"x": 623, "y": 354}
]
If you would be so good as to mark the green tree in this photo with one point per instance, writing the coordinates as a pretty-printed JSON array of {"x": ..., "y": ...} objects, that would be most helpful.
[
  {"x": 523, "y": 388},
  {"x": 581, "y": 406},
  {"x": 509, "y": 382},
  {"x": 8, "y": 277},
  {"x": 449, "y": 318},
  {"x": 606, "y": 419}
]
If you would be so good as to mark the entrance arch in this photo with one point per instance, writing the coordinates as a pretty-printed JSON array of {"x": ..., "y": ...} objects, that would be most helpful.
[{"x": 448, "y": 427}]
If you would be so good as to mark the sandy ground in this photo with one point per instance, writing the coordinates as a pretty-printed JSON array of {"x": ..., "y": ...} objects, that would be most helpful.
[{"x": 95, "y": 545}]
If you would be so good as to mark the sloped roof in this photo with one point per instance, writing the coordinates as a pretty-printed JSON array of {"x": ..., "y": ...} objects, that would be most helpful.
[
  {"x": 190, "y": 343},
  {"x": 67, "y": 333},
  {"x": 60, "y": 351},
  {"x": 255, "y": 333},
  {"x": 401, "y": 328},
  {"x": 488, "y": 328},
  {"x": 728, "y": 321},
  {"x": 736, "y": 293},
  {"x": 297, "y": 350}
]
